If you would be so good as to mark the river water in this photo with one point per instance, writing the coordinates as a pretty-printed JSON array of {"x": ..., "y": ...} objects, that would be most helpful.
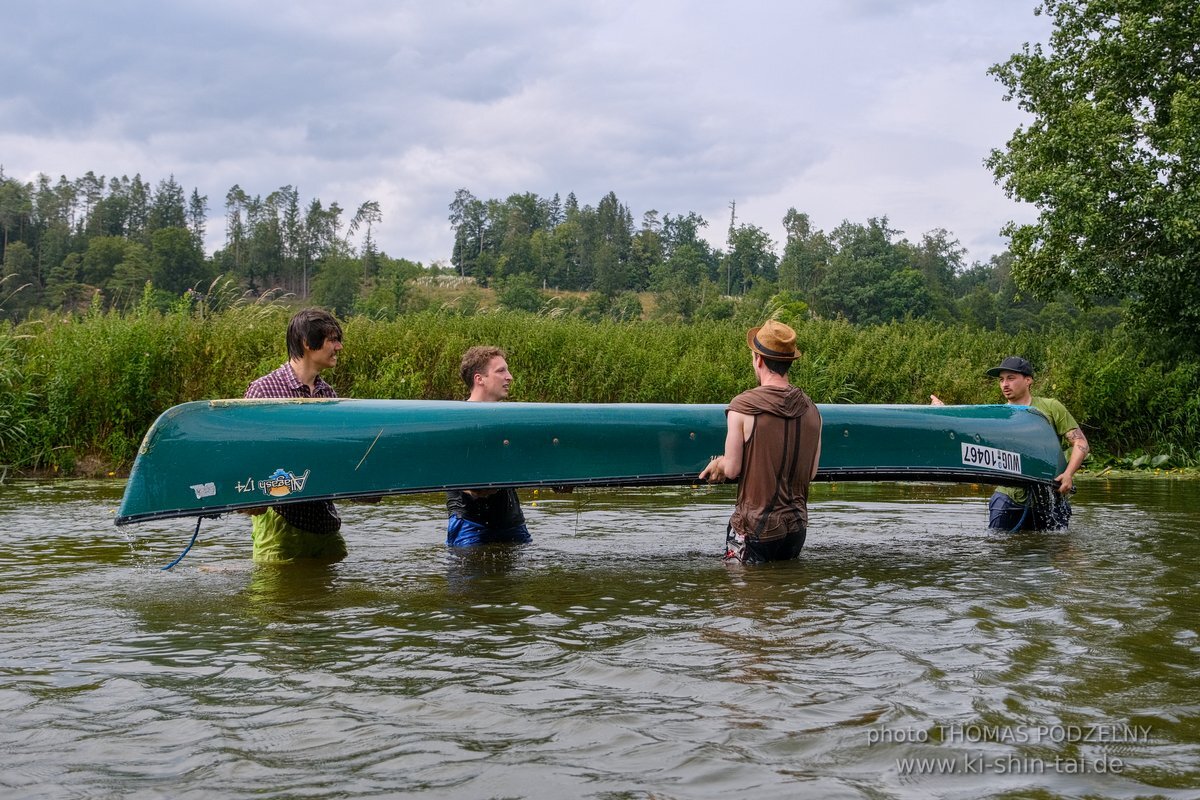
[{"x": 909, "y": 652}]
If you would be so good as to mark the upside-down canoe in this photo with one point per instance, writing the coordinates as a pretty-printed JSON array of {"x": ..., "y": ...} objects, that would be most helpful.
[{"x": 209, "y": 457}]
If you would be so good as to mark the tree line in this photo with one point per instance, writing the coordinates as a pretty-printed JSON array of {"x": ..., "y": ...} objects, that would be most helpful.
[
  {"x": 66, "y": 244},
  {"x": 866, "y": 273},
  {"x": 72, "y": 243}
]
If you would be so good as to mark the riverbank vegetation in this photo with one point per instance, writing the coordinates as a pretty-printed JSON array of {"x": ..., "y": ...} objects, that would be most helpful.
[{"x": 77, "y": 392}]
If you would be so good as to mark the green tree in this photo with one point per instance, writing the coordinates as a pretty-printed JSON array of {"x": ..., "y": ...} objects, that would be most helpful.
[
  {"x": 264, "y": 245},
  {"x": 567, "y": 269},
  {"x": 138, "y": 220},
  {"x": 468, "y": 217},
  {"x": 520, "y": 293},
  {"x": 131, "y": 275},
  {"x": 751, "y": 258},
  {"x": 16, "y": 208},
  {"x": 336, "y": 285},
  {"x": 610, "y": 245},
  {"x": 293, "y": 238},
  {"x": 521, "y": 217},
  {"x": 90, "y": 189},
  {"x": 22, "y": 290},
  {"x": 390, "y": 292},
  {"x": 110, "y": 217},
  {"x": 683, "y": 233},
  {"x": 168, "y": 208},
  {"x": 101, "y": 258},
  {"x": 1111, "y": 158},
  {"x": 805, "y": 254},
  {"x": 197, "y": 216},
  {"x": 939, "y": 259},
  {"x": 177, "y": 263},
  {"x": 64, "y": 291},
  {"x": 647, "y": 250},
  {"x": 869, "y": 280},
  {"x": 368, "y": 216},
  {"x": 235, "y": 226}
]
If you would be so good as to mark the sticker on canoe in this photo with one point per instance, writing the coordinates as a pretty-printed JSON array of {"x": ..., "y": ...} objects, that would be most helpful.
[
  {"x": 204, "y": 490},
  {"x": 282, "y": 483},
  {"x": 975, "y": 455}
]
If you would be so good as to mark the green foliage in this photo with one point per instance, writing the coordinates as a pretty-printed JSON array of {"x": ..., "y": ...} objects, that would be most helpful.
[
  {"x": 751, "y": 259},
  {"x": 625, "y": 307},
  {"x": 390, "y": 292},
  {"x": 336, "y": 286},
  {"x": 520, "y": 293},
  {"x": 176, "y": 261},
  {"x": 870, "y": 279},
  {"x": 788, "y": 308},
  {"x": 1111, "y": 159},
  {"x": 19, "y": 290},
  {"x": 77, "y": 388},
  {"x": 71, "y": 243},
  {"x": 1171, "y": 457},
  {"x": 713, "y": 305},
  {"x": 17, "y": 401}
]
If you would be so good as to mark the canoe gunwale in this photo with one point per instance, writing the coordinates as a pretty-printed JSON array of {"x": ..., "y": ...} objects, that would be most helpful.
[{"x": 881, "y": 475}]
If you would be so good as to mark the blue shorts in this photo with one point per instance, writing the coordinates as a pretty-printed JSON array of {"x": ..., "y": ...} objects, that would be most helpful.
[
  {"x": 465, "y": 533},
  {"x": 1007, "y": 514}
]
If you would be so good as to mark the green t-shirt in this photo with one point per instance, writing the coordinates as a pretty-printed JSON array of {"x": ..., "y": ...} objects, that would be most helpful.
[{"x": 1063, "y": 423}]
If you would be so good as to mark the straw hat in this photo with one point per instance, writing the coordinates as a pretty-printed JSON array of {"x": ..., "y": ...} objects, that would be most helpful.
[{"x": 773, "y": 340}]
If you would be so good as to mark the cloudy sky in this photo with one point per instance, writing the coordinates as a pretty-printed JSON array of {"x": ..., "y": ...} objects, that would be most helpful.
[{"x": 842, "y": 109}]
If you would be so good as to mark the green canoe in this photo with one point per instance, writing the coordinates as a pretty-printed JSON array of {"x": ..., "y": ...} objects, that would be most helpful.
[{"x": 209, "y": 457}]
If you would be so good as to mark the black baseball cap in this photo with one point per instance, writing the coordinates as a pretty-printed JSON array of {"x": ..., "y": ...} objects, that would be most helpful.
[{"x": 1012, "y": 364}]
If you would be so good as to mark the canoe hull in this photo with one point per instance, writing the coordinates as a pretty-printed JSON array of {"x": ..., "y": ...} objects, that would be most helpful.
[{"x": 209, "y": 457}]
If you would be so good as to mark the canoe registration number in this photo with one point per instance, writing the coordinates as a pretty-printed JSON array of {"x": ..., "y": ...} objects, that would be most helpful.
[{"x": 975, "y": 455}]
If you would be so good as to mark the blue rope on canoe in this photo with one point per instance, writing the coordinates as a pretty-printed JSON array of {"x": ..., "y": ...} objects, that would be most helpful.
[{"x": 195, "y": 533}]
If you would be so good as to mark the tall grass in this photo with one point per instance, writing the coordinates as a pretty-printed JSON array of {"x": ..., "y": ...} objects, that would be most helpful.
[{"x": 89, "y": 387}]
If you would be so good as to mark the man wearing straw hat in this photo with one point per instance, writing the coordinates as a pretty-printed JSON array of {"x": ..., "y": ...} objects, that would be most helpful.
[{"x": 773, "y": 444}]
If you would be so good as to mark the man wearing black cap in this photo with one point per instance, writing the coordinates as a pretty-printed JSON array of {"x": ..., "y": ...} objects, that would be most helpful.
[
  {"x": 773, "y": 441},
  {"x": 1009, "y": 507}
]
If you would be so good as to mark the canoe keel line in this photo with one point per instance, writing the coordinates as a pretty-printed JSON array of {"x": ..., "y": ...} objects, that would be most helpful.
[{"x": 205, "y": 458}]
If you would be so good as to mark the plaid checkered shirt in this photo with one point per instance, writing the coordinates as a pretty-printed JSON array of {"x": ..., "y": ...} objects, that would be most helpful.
[{"x": 319, "y": 516}]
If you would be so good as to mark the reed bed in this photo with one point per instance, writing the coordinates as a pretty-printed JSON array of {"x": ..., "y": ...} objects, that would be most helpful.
[{"x": 78, "y": 393}]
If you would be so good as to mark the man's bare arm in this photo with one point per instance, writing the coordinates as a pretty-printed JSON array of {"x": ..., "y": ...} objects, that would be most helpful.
[{"x": 1079, "y": 451}]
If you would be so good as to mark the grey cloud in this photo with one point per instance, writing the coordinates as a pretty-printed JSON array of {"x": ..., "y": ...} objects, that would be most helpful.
[{"x": 675, "y": 106}]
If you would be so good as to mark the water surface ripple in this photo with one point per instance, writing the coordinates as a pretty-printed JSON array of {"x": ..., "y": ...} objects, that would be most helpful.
[{"x": 909, "y": 653}]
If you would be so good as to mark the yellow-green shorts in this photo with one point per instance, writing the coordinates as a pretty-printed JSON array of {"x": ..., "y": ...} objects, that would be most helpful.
[{"x": 276, "y": 541}]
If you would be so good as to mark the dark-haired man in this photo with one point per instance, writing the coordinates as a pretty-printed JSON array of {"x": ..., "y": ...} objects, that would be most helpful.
[
  {"x": 773, "y": 443},
  {"x": 312, "y": 530},
  {"x": 485, "y": 516},
  {"x": 1009, "y": 507}
]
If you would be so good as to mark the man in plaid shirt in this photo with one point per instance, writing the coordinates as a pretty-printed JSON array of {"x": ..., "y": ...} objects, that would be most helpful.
[{"x": 293, "y": 531}]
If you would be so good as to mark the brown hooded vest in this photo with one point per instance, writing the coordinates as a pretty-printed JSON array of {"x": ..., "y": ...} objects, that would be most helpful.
[{"x": 777, "y": 461}]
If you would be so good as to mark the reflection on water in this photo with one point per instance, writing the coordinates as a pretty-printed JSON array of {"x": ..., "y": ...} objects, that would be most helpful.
[{"x": 910, "y": 652}]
